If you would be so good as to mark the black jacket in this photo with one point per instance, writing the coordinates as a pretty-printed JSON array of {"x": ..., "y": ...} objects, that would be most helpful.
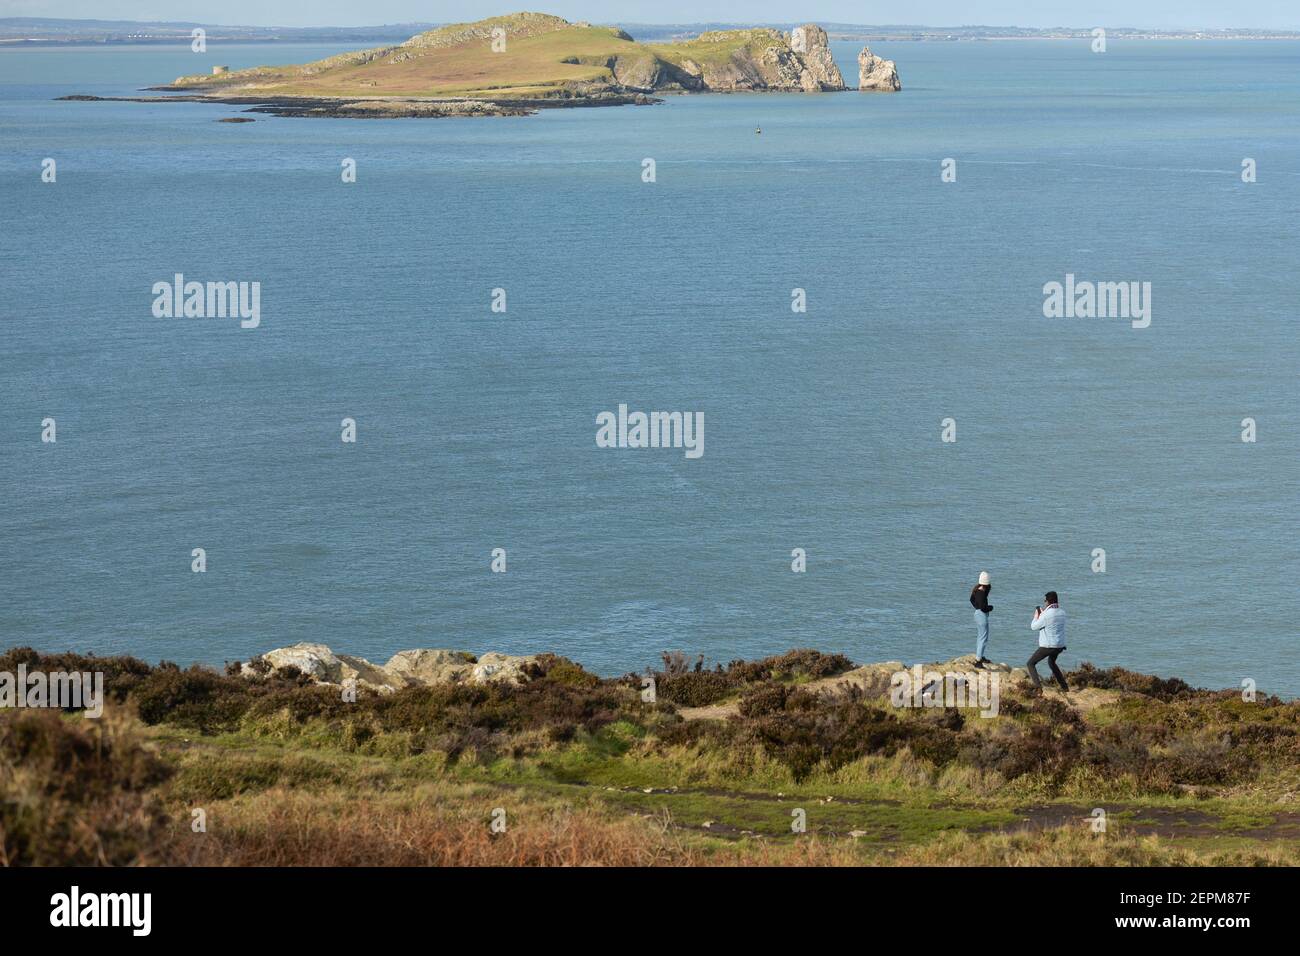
[{"x": 979, "y": 599}]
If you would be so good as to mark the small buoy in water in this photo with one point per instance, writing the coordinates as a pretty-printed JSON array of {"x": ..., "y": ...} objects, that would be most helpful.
[{"x": 758, "y": 129}]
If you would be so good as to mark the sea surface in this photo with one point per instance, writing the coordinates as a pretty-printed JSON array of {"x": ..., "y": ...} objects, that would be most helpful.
[{"x": 476, "y": 430}]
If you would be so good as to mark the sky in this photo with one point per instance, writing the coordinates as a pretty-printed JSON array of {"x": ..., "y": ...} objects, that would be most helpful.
[{"x": 1178, "y": 14}]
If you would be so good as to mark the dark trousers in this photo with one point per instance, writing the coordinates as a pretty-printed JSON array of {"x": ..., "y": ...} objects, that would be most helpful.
[{"x": 1051, "y": 653}]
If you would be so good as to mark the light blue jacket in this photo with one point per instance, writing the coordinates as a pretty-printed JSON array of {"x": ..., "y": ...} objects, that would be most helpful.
[{"x": 1050, "y": 626}]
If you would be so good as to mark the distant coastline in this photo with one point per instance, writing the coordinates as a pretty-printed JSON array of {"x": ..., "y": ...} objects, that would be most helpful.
[{"x": 32, "y": 32}]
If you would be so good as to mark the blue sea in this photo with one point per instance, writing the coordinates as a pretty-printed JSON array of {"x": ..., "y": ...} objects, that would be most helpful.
[{"x": 476, "y": 429}]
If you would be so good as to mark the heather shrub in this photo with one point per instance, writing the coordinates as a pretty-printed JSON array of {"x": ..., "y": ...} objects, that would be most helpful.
[
  {"x": 807, "y": 731},
  {"x": 76, "y": 792},
  {"x": 1042, "y": 748},
  {"x": 694, "y": 689},
  {"x": 763, "y": 700},
  {"x": 455, "y": 718},
  {"x": 699, "y": 734},
  {"x": 1203, "y": 760},
  {"x": 1117, "y": 678},
  {"x": 259, "y": 665},
  {"x": 793, "y": 665},
  {"x": 561, "y": 670},
  {"x": 121, "y": 674},
  {"x": 688, "y": 686},
  {"x": 196, "y": 698},
  {"x": 1116, "y": 751},
  {"x": 675, "y": 662}
]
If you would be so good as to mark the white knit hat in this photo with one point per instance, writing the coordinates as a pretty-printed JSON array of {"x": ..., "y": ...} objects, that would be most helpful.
[{"x": 984, "y": 577}]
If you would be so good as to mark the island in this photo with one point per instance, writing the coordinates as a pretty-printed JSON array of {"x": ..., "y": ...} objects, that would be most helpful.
[{"x": 519, "y": 63}]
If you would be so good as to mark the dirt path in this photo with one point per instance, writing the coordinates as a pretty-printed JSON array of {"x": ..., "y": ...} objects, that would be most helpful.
[{"x": 1166, "y": 822}]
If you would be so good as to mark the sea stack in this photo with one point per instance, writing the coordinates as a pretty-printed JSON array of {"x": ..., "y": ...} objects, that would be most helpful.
[
  {"x": 876, "y": 75},
  {"x": 818, "y": 70}
]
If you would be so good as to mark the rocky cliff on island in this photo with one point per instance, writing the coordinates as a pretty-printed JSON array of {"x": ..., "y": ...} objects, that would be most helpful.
[
  {"x": 877, "y": 75},
  {"x": 762, "y": 60}
]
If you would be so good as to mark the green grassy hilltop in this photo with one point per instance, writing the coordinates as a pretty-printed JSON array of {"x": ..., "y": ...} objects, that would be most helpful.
[{"x": 579, "y": 769}]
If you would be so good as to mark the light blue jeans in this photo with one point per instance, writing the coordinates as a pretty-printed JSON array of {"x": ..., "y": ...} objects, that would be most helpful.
[{"x": 981, "y": 633}]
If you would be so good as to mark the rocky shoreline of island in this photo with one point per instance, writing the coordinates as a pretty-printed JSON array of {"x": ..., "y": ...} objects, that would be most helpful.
[{"x": 378, "y": 108}]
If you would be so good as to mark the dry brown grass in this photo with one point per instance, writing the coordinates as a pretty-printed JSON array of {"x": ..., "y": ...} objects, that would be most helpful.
[
  {"x": 1079, "y": 846},
  {"x": 442, "y": 825},
  {"x": 438, "y": 826},
  {"x": 429, "y": 828}
]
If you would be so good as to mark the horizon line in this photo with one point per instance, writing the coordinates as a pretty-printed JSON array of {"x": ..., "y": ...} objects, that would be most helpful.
[{"x": 740, "y": 24}]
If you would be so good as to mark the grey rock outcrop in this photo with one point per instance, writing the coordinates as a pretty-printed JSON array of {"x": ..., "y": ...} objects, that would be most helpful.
[
  {"x": 494, "y": 668},
  {"x": 876, "y": 679},
  {"x": 413, "y": 668},
  {"x": 639, "y": 73},
  {"x": 429, "y": 667},
  {"x": 876, "y": 74},
  {"x": 819, "y": 69},
  {"x": 324, "y": 666}
]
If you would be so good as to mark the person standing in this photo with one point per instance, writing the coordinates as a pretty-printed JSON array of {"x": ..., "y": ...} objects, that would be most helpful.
[
  {"x": 979, "y": 600},
  {"x": 1049, "y": 622}
]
